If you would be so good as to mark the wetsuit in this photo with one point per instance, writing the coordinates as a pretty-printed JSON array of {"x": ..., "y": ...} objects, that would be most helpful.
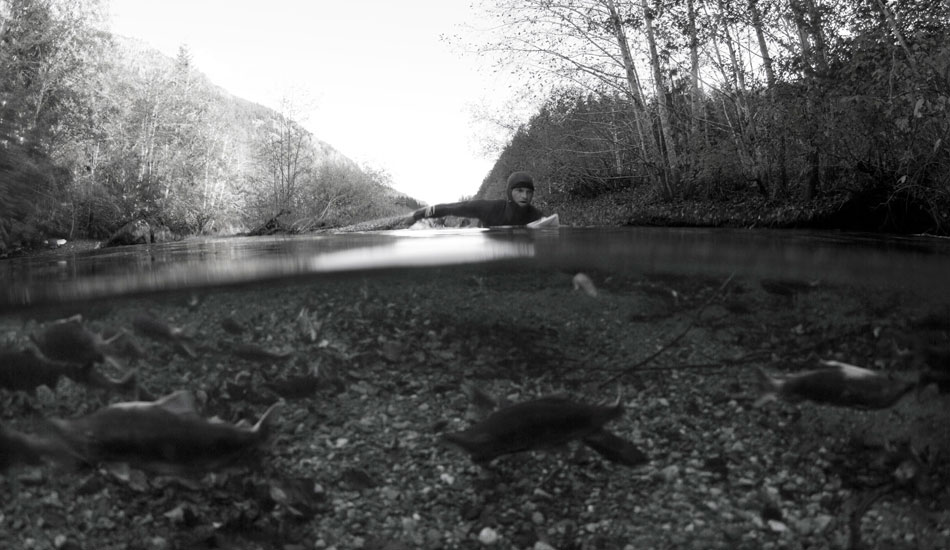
[{"x": 489, "y": 212}]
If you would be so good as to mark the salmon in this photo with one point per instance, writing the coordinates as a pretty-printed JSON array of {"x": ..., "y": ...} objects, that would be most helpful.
[
  {"x": 69, "y": 341},
  {"x": 26, "y": 370},
  {"x": 158, "y": 330},
  {"x": 838, "y": 384},
  {"x": 544, "y": 423},
  {"x": 165, "y": 436}
]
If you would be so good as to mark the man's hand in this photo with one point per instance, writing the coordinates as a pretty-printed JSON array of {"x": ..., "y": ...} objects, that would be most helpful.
[{"x": 423, "y": 213}]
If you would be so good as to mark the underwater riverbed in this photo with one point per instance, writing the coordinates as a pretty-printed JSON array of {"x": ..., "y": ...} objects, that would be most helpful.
[{"x": 370, "y": 362}]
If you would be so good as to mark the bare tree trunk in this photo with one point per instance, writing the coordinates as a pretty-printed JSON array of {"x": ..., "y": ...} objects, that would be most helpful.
[
  {"x": 696, "y": 104},
  {"x": 651, "y": 150},
  {"x": 895, "y": 29},
  {"x": 744, "y": 130},
  {"x": 778, "y": 186},
  {"x": 671, "y": 159},
  {"x": 763, "y": 47},
  {"x": 809, "y": 35}
]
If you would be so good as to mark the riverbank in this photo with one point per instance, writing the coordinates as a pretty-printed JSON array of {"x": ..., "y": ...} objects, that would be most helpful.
[{"x": 643, "y": 207}]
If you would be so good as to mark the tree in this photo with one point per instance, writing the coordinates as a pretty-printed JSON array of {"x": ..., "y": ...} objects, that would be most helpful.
[
  {"x": 801, "y": 97},
  {"x": 50, "y": 55},
  {"x": 585, "y": 42},
  {"x": 671, "y": 156},
  {"x": 285, "y": 156}
]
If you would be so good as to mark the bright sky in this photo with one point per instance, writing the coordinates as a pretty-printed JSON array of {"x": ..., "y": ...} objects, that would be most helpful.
[{"x": 385, "y": 89}]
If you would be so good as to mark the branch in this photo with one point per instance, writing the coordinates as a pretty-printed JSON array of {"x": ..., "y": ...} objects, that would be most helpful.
[
  {"x": 675, "y": 339},
  {"x": 861, "y": 508}
]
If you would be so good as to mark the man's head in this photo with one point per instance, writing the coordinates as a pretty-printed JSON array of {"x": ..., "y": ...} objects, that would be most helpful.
[{"x": 520, "y": 188}]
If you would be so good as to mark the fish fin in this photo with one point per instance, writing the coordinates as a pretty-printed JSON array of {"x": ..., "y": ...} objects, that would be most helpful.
[
  {"x": 99, "y": 380},
  {"x": 129, "y": 380},
  {"x": 33, "y": 449},
  {"x": 849, "y": 371},
  {"x": 615, "y": 448},
  {"x": 113, "y": 338},
  {"x": 179, "y": 402},
  {"x": 113, "y": 361},
  {"x": 267, "y": 420},
  {"x": 467, "y": 439},
  {"x": 768, "y": 386},
  {"x": 63, "y": 441},
  {"x": 479, "y": 397},
  {"x": 185, "y": 347},
  {"x": 762, "y": 400},
  {"x": 618, "y": 403}
]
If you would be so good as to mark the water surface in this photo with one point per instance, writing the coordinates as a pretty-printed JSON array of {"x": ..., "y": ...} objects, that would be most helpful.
[{"x": 914, "y": 263}]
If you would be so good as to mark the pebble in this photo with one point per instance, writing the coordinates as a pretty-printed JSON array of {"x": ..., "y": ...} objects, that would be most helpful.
[
  {"x": 670, "y": 472},
  {"x": 45, "y": 395},
  {"x": 541, "y": 545},
  {"x": 777, "y": 526},
  {"x": 488, "y": 536},
  {"x": 815, "y": 525}
]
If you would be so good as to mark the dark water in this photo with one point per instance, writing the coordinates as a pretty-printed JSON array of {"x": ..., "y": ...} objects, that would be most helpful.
[
  {"x": 917, "y": 264},
  {"x": 368, "y": 337}
]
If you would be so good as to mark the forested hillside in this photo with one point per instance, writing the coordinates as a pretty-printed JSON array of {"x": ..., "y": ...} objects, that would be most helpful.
[
  {"x": 675, "y": 106},
  {"x": 97, "y": 131}
]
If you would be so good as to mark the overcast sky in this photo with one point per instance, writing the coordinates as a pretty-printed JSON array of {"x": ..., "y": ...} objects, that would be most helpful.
[{"x": 385, "y": 89}]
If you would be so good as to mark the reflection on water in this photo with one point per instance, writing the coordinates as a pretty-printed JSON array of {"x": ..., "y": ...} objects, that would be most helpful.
[
  {"x": 415, "y": 249},
  {"x": 915, "y": 263}
]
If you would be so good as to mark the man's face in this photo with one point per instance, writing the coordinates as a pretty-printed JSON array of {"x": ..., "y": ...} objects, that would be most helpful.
[{"x": 522, "y": 195}]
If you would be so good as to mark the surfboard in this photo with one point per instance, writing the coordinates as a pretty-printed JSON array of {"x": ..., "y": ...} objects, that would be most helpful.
[{"x": 547, "y": 221}]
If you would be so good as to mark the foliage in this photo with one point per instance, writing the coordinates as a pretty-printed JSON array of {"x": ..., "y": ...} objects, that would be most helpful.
[
  {"x": 114, "y": 131},
  {"x": 797, "y": 99}
]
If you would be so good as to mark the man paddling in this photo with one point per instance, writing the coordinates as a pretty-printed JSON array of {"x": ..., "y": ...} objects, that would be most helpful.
[{"x": 515, "y": 209}]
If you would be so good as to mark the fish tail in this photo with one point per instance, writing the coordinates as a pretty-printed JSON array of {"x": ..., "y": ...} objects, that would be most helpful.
[
  {"x": 129, "y": 381},
  {"x": 263, "y": 425},
  {"x": 479, "y": 449},
  {"x": 768, "y": 387},
  {"x": 58, "y": 444},
  {"x": 618, "y": 403}
]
